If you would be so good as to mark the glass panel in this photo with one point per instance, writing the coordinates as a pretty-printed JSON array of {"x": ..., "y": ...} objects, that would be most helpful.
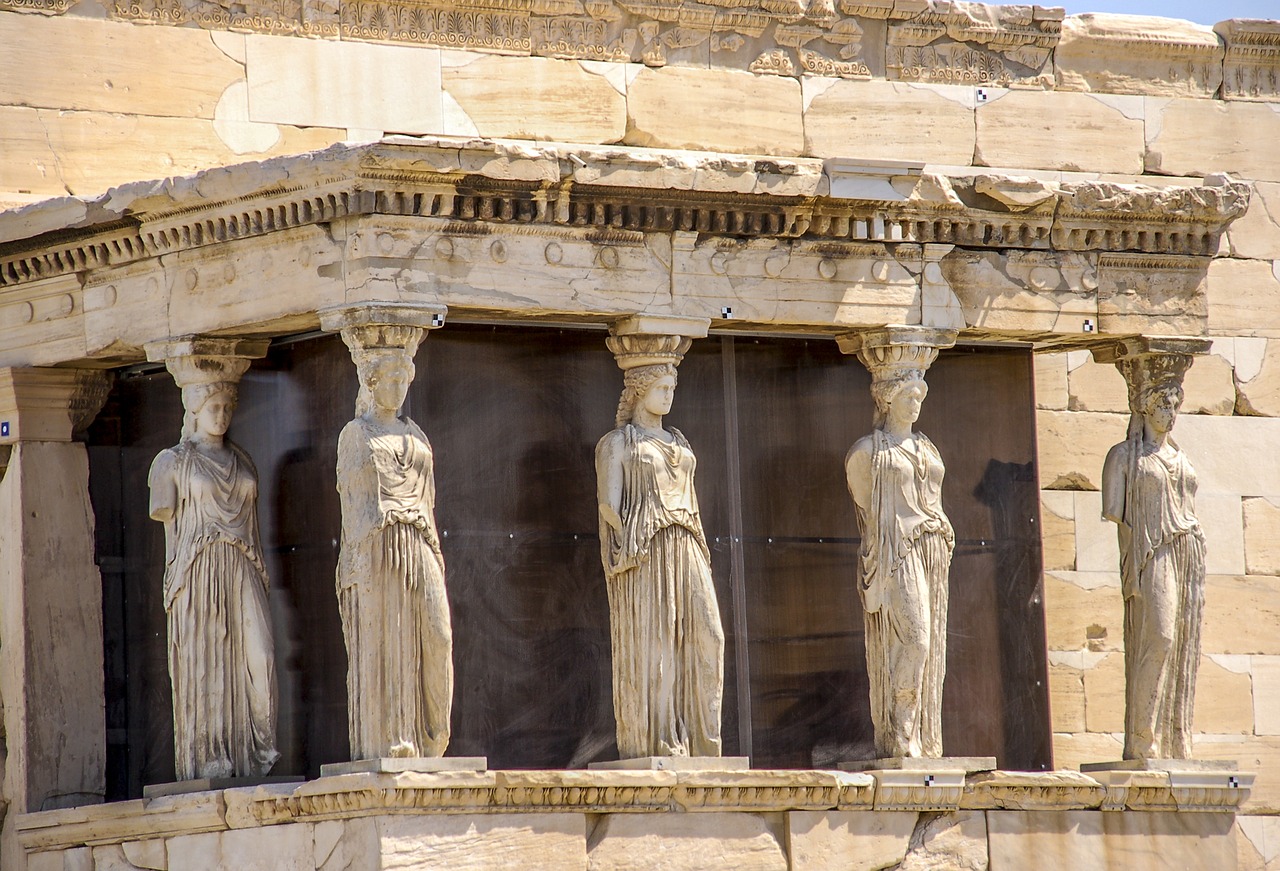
[
  {"x": 801, "y": 406},
  {"x": 513, "y": 414}
]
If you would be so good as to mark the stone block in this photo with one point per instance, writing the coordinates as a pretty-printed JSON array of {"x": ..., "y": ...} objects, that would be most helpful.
[
  {"x": 461, "y": 842},
  {"x": 1259, "y": 391},
  {"x": 1243, "y": 297},
  {"x": 796, "y": 283},
  {"x": 529, "y": 98},
  {"x": 95, "y": 150},
  {"x": 356, "y": 848},
  {"x": 1097, "y": 387},
  {"x": 111, "y": 857},
  {"x": 1097, "y": 547},
  {"x": 1266, "y": 696},
  {"x": 30, "y": 166},
  {"x": 1088, "y": 839},
  {"x": 1197, "y": 137},
  {"x": 199, "y": 852},
  {"x": 1104, "y": 694},
  {"x": 1257, "y": 842},
  {"x": 1051, "y": 381},
  {"x": 1255, "y": 235},
  {"x": 1152, "y": 295},
  {"x": 675, "y": 842},
  {"x": 1217, "y": 447},
  {"x": 1061, "y": 130},
  {"x": 1138, "y": 54},
  {"x": 1066, "y": 699},
  {"x": 1058, "y": 530},
  {"x": 1222, "y": 520},
  {"x": 1072, "y": 446},
  {"x": 1224, "y": 698},
  {"x": 714, "y": 110},
  {"x": 324, "y": 83},
  {"x": 149, "y": 853},
  {"x": 106, "y": 66},
  {"x": 889, "y": 121},
  {"x": 1261, "y": 536},
  {"x": 1083, "y": 611},
  {"x": 1241, "y": 613},
  {"x": 848, "y": 840},
  {"x": 1209, "y": 386},
  {"x": 1072, "y": 750},
  {"x": 956, "y": 841},
  {"x": 1026, "y": 292}
]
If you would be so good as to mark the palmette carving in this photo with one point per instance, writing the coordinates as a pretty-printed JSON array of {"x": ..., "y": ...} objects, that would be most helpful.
[
  {"x": 221, "y": 648},
  {"x": 895, "y": 478}
]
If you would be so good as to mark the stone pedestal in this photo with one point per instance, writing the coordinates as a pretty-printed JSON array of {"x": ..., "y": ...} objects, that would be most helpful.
[
  {"x": 1179, "y": 765},
  {"x": 967, "y": 764},
  {"x": 675, "y": 763},
  {"x": 212, "y": 784},
  {"x": 398, "y": 764}
]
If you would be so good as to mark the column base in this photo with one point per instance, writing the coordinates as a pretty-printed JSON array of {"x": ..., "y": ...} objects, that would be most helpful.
[
  {"x": 1173, "y": 765},
  {"x": 675, "y": 763},
  {"x": 209, "y": 784},
  {"x": 399, "y": 764},
  {"x": 967, "y": 764}
]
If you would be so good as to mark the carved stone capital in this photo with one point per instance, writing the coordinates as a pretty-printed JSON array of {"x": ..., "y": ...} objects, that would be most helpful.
[
  {"x": 896, "y": 353},
  {"x": 196, "y": 360},
  {"x": 649, "y": 340},
  {"x": 49, "y": 405},
  {"x": 1151, "y": 362},
  {"x": 381, "y": 327}
]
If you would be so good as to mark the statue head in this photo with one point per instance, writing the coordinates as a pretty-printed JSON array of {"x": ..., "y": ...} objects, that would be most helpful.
[
  {"x": 885, "y": 392},
  {"x": 1159, "y": 406},
  {"x": 207, "y": 408},
  {"x": 385, "y": 375},
  {"x": 636, "y": 385}
]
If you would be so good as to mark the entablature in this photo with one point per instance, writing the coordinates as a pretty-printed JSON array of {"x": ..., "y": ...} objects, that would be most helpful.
[{"x": 519, "y": 231}]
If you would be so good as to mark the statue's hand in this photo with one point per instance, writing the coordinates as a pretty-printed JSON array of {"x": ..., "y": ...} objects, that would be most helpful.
[{"x": 610, "y": 516}]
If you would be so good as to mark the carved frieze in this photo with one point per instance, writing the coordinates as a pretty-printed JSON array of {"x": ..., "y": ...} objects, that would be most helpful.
[
  {"x": 975, "y": 44},
  {"x": 1251, "y": 68},
  {"x": 1128, "y": 54}
]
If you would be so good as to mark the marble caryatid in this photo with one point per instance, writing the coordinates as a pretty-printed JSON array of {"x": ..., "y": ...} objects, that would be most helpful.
[
  {"x": 391, "y": 576},
  {"x": 1148, "y": 491},
  {"x": 895, "y": 477},
  {"x": 668, "y": 643},
  {"x": 221, "y": 649}
]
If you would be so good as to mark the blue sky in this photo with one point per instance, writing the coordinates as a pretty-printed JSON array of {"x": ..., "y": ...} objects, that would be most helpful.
[{"x": 1200, "y": 11}]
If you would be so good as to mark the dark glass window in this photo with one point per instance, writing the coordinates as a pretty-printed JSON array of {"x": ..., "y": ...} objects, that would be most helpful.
[{"x": 513, "y": 414}]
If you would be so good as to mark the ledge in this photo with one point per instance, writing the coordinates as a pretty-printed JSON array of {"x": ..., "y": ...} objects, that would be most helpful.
[{"x": 621, "y": 792}]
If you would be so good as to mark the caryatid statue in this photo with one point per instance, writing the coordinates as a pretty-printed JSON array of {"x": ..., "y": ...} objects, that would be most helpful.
[
  {"x": 221, "y": 649},
  {"x": 668, "y": 643},
  {"x": 1148, "y": 491},
  {"x": 391, "y": 578},
  {"x": 895, "y": 477}
]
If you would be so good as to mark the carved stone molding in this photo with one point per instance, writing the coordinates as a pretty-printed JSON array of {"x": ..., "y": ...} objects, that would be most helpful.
[
  {"x": 1251, "y": 68},
  {"x": 49, "y": 405},
  {"x": 1131, "y": 54},
  {"x": 1032, "y": 791}
]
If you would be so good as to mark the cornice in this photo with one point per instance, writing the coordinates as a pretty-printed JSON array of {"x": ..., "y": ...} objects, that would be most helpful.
[{"x": 507, "y": 185}]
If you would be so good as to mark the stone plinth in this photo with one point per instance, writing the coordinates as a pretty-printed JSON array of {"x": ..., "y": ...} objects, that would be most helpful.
[
  {"x": 675, "y": 763},
  {"x": 398, "y": 764},
  {"x": 211, "y": 784},
  {"x": 966, "y": 764}
]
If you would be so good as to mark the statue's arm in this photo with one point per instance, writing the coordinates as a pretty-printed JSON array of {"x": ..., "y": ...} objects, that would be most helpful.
[
  {"x": 857, "y": 470},
  {"x": 1115, "y": 471},
  {"x": 609, "y": 458},
  {"x": 164, "y": 487}
]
